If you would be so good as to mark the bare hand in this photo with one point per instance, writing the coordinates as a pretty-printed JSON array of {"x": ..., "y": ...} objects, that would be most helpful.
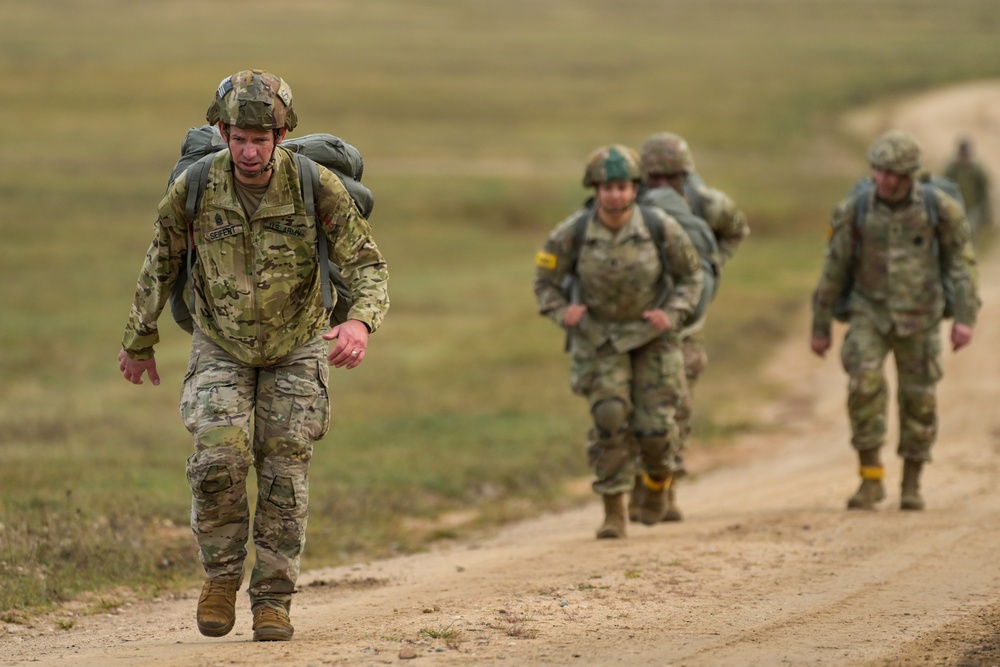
[
  {"x": 352, "y": 342},
  {"x": 658, "y": 318},
  {"x": 961, "y": 335},
  {"x": 133, "y": 370},
  {"x": 819, "y": 345},
  {"x": 574, "y": 313}
]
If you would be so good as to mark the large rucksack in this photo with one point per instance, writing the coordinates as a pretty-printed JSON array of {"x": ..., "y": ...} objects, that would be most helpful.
[
  {"x": 862, "y": 192},
  {"x": 701, "y": 235},
  {"x": 197, "y": 151}
]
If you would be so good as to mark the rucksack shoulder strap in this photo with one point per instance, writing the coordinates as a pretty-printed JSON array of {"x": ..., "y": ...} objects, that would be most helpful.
[
  {"x": 695, "y": 201},
  {"x": 659, "y": 233},
  {"x": 931, "y": 202},
  {"x": 862, "y": 200},
  {"x": 309, "y": 182},
  {"x": 196, "y": 181},
  {"x": 579, "y": 234}
]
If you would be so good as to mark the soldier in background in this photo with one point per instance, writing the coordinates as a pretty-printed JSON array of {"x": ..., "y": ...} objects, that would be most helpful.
[
  {"x": 891, "y": 263},
  {"x": 974, "y": 184},
  {"x": 667, "y": 162},
  {"x": 633, "y": 278},
  {"x": 255, "y": 391}
]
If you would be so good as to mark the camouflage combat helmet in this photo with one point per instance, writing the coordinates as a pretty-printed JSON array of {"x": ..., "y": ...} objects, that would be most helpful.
[
  {"x": 895, "y": 151},
  {"x": 666, "y": 153},
  {"x": 253, "y": 100},
  {"x": 612, "y": 163}
]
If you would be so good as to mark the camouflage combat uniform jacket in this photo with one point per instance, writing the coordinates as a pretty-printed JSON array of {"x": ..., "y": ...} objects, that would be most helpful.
[
  {"x": 620, "y": 277},
  {"x": 257, "y": 281},
  {"x": 896, "y": 265}
]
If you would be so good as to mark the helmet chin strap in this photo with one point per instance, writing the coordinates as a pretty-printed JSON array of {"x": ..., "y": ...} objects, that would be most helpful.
[
  {"x": 255, "y": 174},
  {"x": 620, "y": 209}
]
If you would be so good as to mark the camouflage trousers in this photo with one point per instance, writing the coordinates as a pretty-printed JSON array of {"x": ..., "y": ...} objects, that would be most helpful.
[
  {"x": 695, "y": 361},
  {"x": 633, "y": 397},
  {"x": 268, "y": 417},
  {"x": 918, "y": 369}
]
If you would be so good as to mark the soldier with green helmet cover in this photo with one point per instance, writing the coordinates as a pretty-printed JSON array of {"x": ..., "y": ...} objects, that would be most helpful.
[
  {"x": 634, "y": 279},
  {"x": 893, "y": 245},
  {"x": 255, "y": 391},
  {"x": 670, "y": 180}
]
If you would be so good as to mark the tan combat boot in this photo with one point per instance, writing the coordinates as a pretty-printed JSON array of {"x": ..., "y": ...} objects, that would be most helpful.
[
  {"x": 673, "y": 512},
  {"x": 654, "y": 499},
  {"x": 271, "y": 625},
  {"x": 614, "y": 518},
  {"x": 217, "y": 606},
  {"x": 635, "y": 499},
  {"x": 871, "y": 490},
  {"x": 910, "y": 498}
]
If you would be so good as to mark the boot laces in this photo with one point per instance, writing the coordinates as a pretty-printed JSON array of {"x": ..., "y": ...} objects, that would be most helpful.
[
  {"x": 270, "y": 615},
  {"x": 222, "y": 587}
]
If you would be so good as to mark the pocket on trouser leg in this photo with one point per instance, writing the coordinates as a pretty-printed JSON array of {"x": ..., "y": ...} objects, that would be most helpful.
[
  {"x": 212, "y": 398},
  {"x": 583, "y": 374},
  {"x": 300, "y": 406},
  {"x": 280, "y": 524}
]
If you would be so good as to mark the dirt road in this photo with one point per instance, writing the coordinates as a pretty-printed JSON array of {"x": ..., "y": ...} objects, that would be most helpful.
[{"x": 767, "y": 569}]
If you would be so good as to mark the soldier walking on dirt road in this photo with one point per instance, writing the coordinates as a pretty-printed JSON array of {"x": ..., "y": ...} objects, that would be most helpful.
[
  {"x": 668, "y": 168},
  {"x": 255, "y": 391},
  {"x": 623, "y": 279},
  {"x": 895, "y": 245}
]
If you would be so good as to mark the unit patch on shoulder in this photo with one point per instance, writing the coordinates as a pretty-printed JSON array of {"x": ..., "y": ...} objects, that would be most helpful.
[{"x": 545, "y": 260}]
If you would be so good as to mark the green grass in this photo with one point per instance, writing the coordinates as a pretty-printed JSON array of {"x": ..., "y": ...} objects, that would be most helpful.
[{"x": 474, "y": 119}]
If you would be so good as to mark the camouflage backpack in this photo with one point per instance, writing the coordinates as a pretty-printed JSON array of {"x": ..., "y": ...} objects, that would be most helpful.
[
  {"x": 862, "y": 192},
  {"x": 698, "y": 231},
  {"x": 197, "y": 151}
]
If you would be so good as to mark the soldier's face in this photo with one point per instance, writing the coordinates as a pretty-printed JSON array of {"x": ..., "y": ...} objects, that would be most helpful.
[
  {"x": 890, "y": 186},
  {"x": 616, "y": 196},
  {"x": 251, "y": 151}
]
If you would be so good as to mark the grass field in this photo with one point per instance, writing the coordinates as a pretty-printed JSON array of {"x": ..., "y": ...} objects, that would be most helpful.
[{"x": 474, "y": 119}]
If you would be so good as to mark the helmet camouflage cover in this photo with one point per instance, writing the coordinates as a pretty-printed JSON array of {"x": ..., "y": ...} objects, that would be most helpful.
[
  {"x": 895, "y": 151},
  {"x": 253, "y": 100},
  {"x": 666, "y": 153},
  {"x": 612, "y": 163}
]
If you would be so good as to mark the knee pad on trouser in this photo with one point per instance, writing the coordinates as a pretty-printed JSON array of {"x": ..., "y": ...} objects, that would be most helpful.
[
  {"x": 866, "y": 406},
  {"x": 917, "y": 421},
  {"x": 610, "y": 418},
  {"x": 220, "y": 513}
]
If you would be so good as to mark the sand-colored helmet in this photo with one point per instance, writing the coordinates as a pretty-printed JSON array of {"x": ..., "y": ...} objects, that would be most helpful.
[
  {"x": 253, "y": 100},
  {"x": 612, "y": 163},
  {"x": 666, "y": 153},
  {"x": 895, "y": 151}
]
